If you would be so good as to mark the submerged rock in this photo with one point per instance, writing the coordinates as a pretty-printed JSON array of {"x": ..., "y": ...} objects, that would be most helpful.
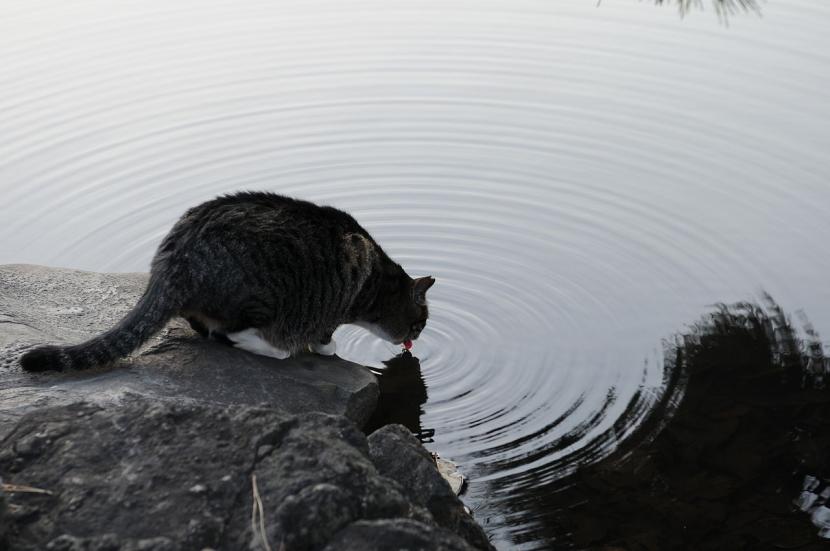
[
  {"x": 48, "y": 305},
  {"x": 158, "y": 476}
]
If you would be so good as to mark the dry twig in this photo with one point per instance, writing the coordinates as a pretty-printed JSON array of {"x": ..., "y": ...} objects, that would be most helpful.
[
  {"x": 23, "y": 489},
  {"x": 257, "y": 510}
]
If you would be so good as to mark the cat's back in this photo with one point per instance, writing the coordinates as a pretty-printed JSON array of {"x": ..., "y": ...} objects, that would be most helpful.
[{"x": 263, "y": 215}]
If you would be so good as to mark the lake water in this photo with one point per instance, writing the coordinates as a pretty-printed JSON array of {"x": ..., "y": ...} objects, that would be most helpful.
[{"x": 582, "y": 180}]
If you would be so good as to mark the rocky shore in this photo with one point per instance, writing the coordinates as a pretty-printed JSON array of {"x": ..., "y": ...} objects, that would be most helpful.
[{"x": 190, "y": 444}]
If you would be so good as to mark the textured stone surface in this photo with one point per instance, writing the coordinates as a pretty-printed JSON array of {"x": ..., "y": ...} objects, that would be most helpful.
[
  {"x": 398, "y": 455},
  {"x": 144, "y": 475},
  {"x": 316, "y": 483},
  {"x": 395, "y": 535},
  {"x": 48, "y": 305},
  {"x": 138, "y": 470},
  {"x": 165, "y": 450},
  {"x": 3, "y": 517}
]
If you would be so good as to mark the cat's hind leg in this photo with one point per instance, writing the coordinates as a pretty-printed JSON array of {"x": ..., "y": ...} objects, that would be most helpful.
[
  {"x": 252, "y": 341},
  {"x": 326, "y": 347},
  {"x": 198, "y": 326},
  {"x": 208, "y": 332}
]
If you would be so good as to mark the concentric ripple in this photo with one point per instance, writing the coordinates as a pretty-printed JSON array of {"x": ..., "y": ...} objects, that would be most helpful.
[{"x": 581, "y": 181}]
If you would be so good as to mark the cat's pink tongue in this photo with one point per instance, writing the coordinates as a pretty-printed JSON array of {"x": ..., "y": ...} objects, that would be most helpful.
[{"x": 407, "y": 344}]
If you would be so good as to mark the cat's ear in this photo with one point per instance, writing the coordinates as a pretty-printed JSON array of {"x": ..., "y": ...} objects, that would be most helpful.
[{"x": 419, "y": 289}]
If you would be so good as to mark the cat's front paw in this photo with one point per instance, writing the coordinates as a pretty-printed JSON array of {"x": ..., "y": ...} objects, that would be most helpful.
[{"x": 327, "y": 349}]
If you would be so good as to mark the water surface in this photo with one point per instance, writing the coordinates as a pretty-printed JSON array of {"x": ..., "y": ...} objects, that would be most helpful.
[{"x": 582, "y": 181}]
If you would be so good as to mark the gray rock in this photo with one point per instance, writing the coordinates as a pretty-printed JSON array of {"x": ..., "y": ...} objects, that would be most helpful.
[
  {"x": 47, "y": 305},
  {"x": 317, "y": 482},
  {"x": 398, "y": 455},
  {"x": 395, "y": 535},
  {"x": 144, "y": 475},
  {"x": 3, "y": 517},
  {"x": 127, "y": 470},
  {"x": 110, "y": 542},
  {"x": 165, "y": 450}
]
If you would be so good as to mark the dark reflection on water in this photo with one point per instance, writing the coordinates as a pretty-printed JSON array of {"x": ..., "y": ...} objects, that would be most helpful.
[
  {"x": 742, "y": 417},
  {"x": 403, "y": 393}
]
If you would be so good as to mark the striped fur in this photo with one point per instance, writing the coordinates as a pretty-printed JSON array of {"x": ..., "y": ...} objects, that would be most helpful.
[
  {"x": 291, "y": 270},
  {"x": 153, "y": 310}
]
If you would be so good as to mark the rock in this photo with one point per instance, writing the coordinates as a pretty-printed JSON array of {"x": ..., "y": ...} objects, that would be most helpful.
[
  {"x": 316, "y": 483},
  {"x": 122, "y": 478},
  {"x": 3, "y": 517},
  {"x": 449, "y": 472},
  {"x": 127, "y": 469},
  {"x": 110, "y": 542},
  {"x": 394, "y": 535},
  {"x": 49, "y": 305},
  {"x": 400, "y": 456},
  {"x": 190, "y": 444}
]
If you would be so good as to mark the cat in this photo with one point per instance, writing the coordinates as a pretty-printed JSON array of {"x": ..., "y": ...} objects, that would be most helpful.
[{"x": 265, "y": 273}]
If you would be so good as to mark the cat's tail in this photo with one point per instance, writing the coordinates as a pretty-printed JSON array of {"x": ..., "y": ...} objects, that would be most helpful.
[{"x": 154, "y": 309}]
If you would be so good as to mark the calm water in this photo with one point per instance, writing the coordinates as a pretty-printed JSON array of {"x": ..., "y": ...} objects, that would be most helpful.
[{"x": 582, "y": 181}]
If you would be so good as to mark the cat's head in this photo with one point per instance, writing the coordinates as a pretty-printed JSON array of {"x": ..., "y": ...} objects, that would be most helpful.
[{"x": 400, "y": 311}]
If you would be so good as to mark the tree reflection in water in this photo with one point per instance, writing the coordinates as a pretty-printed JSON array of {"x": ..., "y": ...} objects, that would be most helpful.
[
  {"x": 744, "y": 417},
  {"x": 723, "y": 8}
]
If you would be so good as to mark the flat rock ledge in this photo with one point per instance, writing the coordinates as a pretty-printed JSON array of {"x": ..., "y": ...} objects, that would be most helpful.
[
  {"x": 50, "y": 305},
  {"x": 190, "y": 444}
]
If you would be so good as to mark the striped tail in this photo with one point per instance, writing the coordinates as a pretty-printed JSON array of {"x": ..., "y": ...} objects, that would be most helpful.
[{"x": 149, "y": 316}]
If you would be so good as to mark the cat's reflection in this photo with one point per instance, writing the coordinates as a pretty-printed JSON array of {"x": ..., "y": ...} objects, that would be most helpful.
[{"x": 402, "y": 393}]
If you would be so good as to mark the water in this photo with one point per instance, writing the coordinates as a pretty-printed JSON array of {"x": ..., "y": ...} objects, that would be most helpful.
[{"x": 582, "y": 181}]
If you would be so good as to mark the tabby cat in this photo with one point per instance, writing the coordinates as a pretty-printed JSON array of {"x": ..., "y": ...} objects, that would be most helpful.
[{"x": 266, "y": 273}]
